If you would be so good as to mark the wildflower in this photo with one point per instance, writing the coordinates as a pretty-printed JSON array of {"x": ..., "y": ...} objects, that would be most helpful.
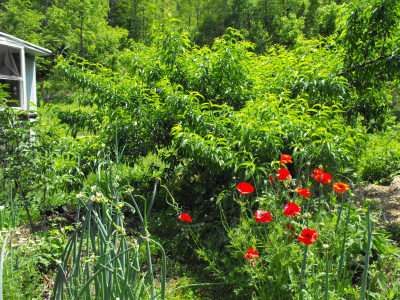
[
  {"x": 285, "y": 159},
  {"x": 253, "y": 263},
  {"x": 291, "y": 209},
  {"x": 308, "y": 236},
  {"x": 284, "y": 174},
  {"x": 340, "y": 187},
  {"x": 251, "y": 254},
  {"x": 304, "y": 192},
  {"x": 326, "y": 246},
  {"x": 93, "y": 188},
  {"x": 1, "y": 208},
  {"x": 322, "y": 177},
  {"x": 185, "y": 217},
  {"x": 271, "y": 178},
  {"x": 263, "y": 216},
  {"x": 245, "y": 188},
  {"x": 79, "y": 196},
  {"x": 129, "y": 191},
  {"x": 289, "y": 227}
]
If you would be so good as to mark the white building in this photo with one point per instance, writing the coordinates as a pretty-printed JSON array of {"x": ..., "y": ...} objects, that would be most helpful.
[{"x": 18, "y": 70}]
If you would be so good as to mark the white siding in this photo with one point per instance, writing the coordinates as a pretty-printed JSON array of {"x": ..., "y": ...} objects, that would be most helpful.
[{"x": 30, "y": 82}]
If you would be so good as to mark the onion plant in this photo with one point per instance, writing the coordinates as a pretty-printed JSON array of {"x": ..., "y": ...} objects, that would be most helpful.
[{"x": 100, "y": 260}]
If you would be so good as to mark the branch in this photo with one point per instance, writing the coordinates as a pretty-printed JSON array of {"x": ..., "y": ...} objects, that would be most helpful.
[{"x": 364, "y": 64}]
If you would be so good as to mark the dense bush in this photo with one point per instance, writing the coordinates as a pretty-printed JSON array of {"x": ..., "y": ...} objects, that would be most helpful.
[{"x": 381, "y": 159}]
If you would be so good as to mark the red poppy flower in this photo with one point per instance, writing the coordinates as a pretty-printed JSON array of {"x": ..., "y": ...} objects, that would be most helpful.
[
  {"x": 289, "y": 227},
  {"x": 304, "y": 192},
  {"x": 251, "y": 253},
  {"x": 340, "y": 187},
  {"x": 185, "y": 217},
  {"x": 284, "y": 174},
  {"x": 285, "y": 159},
  {"x": 263, "y": 216},
  {"x": 291, "y": 209},
  {"x": 308, "y": 236},
  {"x": 322, "y": 177},
  {"x": 271, "y": 178},
  {"x": 245, "y": 188}
]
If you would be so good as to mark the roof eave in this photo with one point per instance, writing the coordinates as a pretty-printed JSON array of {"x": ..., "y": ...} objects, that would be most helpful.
[{"x": 29, "y": 47}]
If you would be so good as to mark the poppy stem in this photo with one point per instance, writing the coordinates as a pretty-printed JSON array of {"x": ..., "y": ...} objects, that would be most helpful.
[
  {"x": 320, "y": 196},
  {"x": 339, "y": 214},
  {"x": 327, "y": 275},
  {"x": 341, "y": 262},
  {"x": 303, "y": 269}
]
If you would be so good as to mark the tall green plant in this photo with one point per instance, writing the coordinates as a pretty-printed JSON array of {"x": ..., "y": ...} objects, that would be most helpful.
[{"x": 100, "y": 260}]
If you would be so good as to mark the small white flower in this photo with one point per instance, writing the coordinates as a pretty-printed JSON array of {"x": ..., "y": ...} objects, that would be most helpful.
[
  {"x": 1, "y": 208},
  {"x": 93, "y": 188},
  {"x": 79, "y": 196}
]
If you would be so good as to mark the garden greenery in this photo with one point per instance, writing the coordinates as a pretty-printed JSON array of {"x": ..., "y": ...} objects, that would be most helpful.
[{"x": 202, "y": 122}]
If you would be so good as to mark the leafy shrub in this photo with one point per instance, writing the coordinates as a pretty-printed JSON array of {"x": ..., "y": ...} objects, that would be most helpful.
[{"x": 381, "y": 160}]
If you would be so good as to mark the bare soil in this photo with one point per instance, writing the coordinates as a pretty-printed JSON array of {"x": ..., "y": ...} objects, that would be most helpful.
[{"x": 387, "y": 198}]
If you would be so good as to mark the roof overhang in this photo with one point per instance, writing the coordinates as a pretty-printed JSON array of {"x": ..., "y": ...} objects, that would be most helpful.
[{"x": 13, "y": 42}]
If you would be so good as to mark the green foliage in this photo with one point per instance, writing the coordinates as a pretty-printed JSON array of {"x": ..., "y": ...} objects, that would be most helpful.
[
  {"x": 381, "y": 160},
  {"x": 369, "y": 34},
  {"x": 276, "y": 272},
  {"x": 289, "y": 29},
  {"x": 22, "y": 278},
  {"x": 22, "y": 19}
]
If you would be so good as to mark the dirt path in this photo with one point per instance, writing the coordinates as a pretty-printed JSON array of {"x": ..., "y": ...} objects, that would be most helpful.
[{"x": 388, "y": 198}]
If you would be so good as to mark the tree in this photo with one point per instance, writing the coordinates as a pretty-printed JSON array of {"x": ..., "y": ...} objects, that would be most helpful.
[
  {"x": 80, "y": 26},
  {"x": 369, "y": 32},
  {"x": 19, "y": 18}
]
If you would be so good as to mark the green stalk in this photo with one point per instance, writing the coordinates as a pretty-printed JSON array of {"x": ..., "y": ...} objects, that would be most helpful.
[
  {"x": 339, "y": 213},
  {"x": 327, "y": 275},
  {"x": 303, "y": 270},
  {"x": 163, "y": 272},
  {"x": 367, "y": 251},
  {"x": 320, "y": 197},
  {"x": 299, "y": 168},
  {"x": 341, "y": 262}
]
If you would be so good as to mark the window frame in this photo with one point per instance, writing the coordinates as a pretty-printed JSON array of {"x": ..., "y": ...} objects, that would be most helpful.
[{"x": 23, "y": 103}]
